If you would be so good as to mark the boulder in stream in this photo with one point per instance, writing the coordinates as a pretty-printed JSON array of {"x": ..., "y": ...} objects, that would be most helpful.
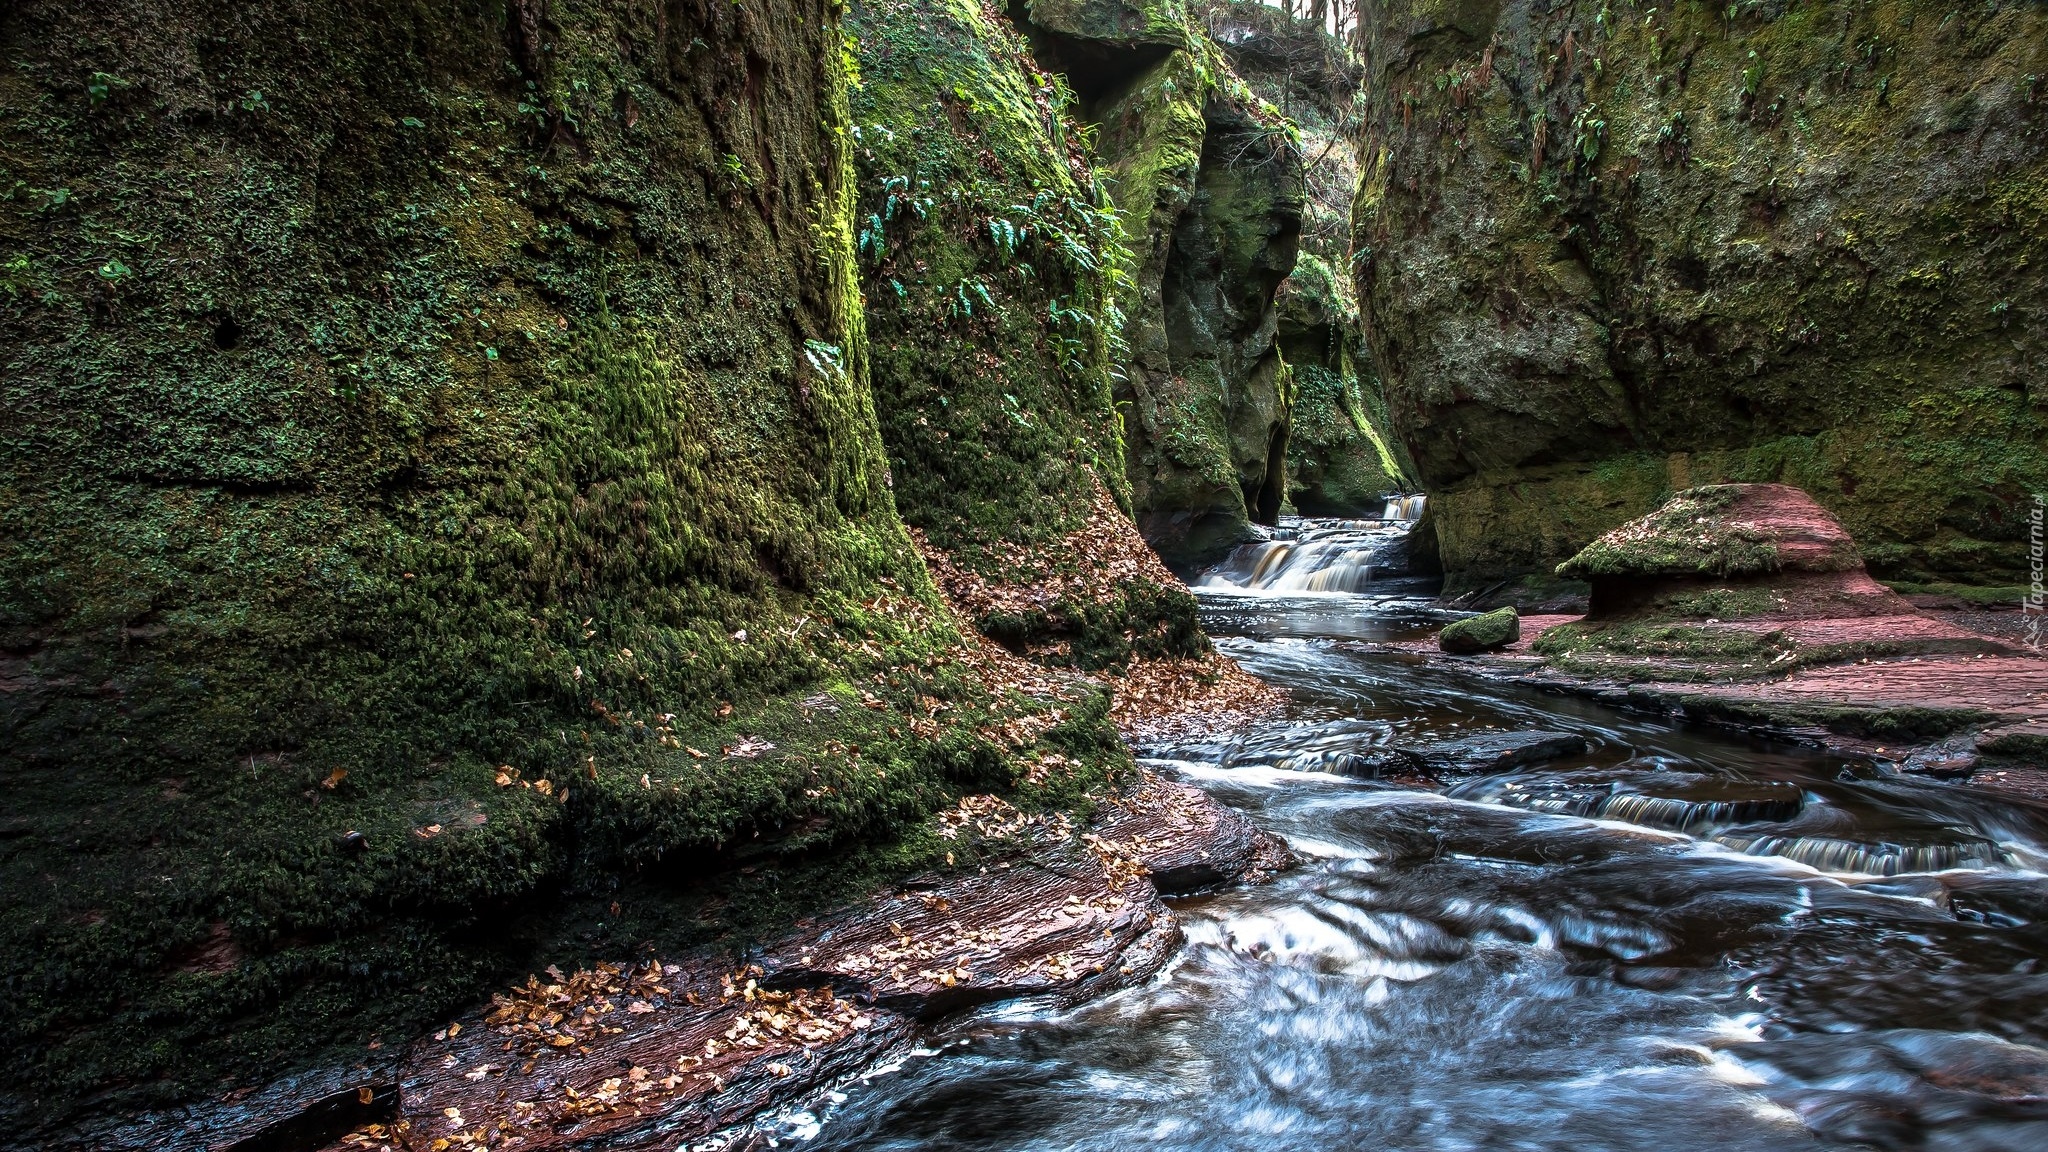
[{"x": 1485, "y": 632}]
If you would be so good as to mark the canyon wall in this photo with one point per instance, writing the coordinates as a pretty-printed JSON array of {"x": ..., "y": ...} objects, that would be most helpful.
[
  {"x": 1207, "y": 180},
  {"x": 1606, "y": 252},
  {"x": 1342, "y": 458},
  {"x": 452, "y": 470},
  {"x": 994, "y": 268},
  {"x": 447, "y": 526}
]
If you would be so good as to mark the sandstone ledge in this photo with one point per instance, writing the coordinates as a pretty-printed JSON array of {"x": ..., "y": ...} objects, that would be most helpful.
[
  {"x": 1968, "y": 707},
  {"x": 645, "y": 1054}
]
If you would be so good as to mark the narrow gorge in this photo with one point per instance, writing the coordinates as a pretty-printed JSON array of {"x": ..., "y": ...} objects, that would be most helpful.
[{"x": 654, "y": 574}]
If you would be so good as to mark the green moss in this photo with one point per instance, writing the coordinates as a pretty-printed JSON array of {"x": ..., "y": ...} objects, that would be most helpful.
[
  {"x": 1481, "y": 633},
  {"x": 1709, "y": 274},
  {"x": 989, "y": 262},
  {"x": 1140, "y": 620},
  {"x": 1569, "y": 643},
  {"x": 1686, "y": 536},
  {"x": 1207, "y": 183},
  {"x": 438, "y": 409},
  {"x": 1721, "y": 603},
  {"x": 2024, "y": 746},
  {"x": 1162, "y": 22},
  {"x": 1651, "y": 650},
  {"x": 1992, "y": 596},
  {"x": 993, "y": 263}
]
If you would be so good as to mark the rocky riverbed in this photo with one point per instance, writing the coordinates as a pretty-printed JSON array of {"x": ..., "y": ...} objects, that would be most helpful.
[{"x": 647, "y": 1051}]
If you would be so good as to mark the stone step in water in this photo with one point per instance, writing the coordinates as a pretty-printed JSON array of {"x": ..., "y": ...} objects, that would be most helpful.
[
  {"x": 1873, "y": 858},
  {"x": 1478, "y": 754},
  {"x": 1677, "y": 801}
]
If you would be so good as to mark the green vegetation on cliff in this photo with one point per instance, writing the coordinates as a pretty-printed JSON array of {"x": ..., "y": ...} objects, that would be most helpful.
[
  {"x": 994, "y": 265},
  {"x": 1207, "y": 179},
  {"x": 1610, "y": 252},
  {"x": 1341, "y": 456},
  {"x": 402, "y": 408}
]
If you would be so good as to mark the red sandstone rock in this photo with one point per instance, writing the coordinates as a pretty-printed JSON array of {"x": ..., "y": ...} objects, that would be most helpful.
[
  {"x": 647, "y": 1055},
  {"x": 1731, "y": 550}
]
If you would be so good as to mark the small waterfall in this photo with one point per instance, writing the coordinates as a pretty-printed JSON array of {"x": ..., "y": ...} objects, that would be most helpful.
[
  {"x": 1882, "y": 858},
  {"x": 1678, "y": 802},
  {"x": 1318, "y": 555},
  {"x": 1407, "y": 508}
]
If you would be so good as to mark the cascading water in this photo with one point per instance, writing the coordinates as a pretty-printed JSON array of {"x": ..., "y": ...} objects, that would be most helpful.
[
  {"x": 1408, "y": 508},
  {"x": 1655, "y": 938},
  {"x": 1320, "y": 555}
]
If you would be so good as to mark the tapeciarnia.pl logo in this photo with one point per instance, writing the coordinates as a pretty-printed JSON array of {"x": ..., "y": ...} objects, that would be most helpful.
[{"x": 2037, "y": 596}]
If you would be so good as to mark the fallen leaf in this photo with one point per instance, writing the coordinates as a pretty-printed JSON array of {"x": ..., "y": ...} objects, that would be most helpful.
[{"x": 335, "y": 778}]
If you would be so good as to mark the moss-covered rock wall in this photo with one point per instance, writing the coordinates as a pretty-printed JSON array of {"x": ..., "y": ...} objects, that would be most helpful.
[
  {"x": 1207, "y": 178},
  {"x": 1607, "y": 252},
  {"x": 440, "y": 484},
  {"x": 1342, "y": 459},
  {"x": 1341, "y": 456},
  {"x": 994, "y": 264}
]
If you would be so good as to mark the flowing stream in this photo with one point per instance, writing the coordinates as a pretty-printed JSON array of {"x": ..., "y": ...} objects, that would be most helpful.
[{"x": 1670, "y": 939}]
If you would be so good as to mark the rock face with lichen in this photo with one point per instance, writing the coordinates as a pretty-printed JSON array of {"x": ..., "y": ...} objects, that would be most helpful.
[
  {"x": 1207, "y": 180},
  {"x": 444, "y": 511},
  {"x": 1609, "y": 252},
  {"x": 1342, "y": 459},
  {"x": 990, "y": 254}
]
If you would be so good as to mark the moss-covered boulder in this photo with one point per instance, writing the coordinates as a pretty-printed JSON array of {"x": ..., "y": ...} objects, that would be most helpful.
[
  {"x": 1729, "y": 551},
  {"x": 444, "y": 518},
  {"x": 1731, "y": 581},
  {"x": 1719, "y": 531},
  {"x": 1486, "y": 632},
  {"x": 1610, "y": 252}
]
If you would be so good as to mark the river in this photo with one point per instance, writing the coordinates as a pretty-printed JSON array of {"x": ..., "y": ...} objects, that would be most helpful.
[{"x": 1674, "y": 939}]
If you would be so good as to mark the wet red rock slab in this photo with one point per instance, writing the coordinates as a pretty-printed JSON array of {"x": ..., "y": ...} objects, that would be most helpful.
[
  {"x": 649, "y": 1055},
  {"x": 1984, "y": 673}
]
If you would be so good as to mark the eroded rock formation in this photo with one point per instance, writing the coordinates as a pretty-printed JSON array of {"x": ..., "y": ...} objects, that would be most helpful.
[
  {"x": 1609, "y": 252},
  {"x": 1738, "y": 581},
  {"x": 1342, "y": 459},
  {"x": 1208, "y": 183}
]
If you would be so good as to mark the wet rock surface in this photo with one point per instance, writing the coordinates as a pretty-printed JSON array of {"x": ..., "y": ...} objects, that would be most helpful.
[
  {"x": 644, "y": 1054},
  {"x": 1673, "y": 938},
  {"x": 1487, "y": 632}
]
